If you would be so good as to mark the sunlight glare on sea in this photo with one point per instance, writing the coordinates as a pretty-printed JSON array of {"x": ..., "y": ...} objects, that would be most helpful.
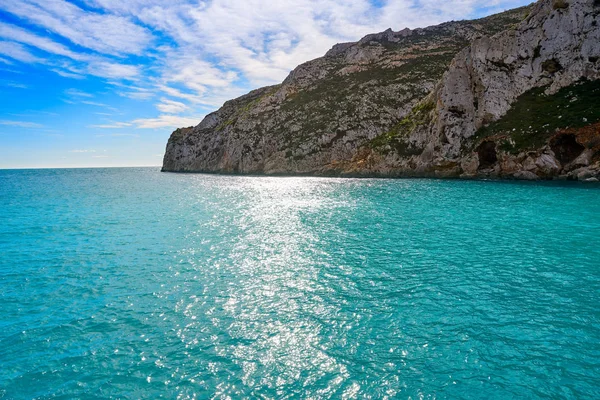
[{"x": 131, "y": 283}]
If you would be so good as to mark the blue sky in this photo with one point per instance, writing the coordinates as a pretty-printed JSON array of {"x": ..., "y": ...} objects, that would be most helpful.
[{"x": 88, "y": 83}]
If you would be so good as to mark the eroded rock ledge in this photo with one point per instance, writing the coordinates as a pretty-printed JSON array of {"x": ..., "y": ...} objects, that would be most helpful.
[{"x": 515, "y": 95}]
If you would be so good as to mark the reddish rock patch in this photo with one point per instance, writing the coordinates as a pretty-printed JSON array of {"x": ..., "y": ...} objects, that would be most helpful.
[{"x": 587, "y": 137}]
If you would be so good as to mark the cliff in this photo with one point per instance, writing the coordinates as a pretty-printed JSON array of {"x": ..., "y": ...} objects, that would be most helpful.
[{"x": 513, "y": 95}]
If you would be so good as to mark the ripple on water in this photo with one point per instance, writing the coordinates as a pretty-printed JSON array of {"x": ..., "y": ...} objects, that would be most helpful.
[{"x": 129, "y": 282}]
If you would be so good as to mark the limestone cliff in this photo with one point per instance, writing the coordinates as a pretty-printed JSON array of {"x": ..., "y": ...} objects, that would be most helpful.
[{"x": 512, "y": 95}]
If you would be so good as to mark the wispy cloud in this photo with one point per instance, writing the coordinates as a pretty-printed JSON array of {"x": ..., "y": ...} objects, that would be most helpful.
[
  {"x": 113, "y": 125},
  {"x": 97, "y": 104},
  {"x": 171, "y": 107},
  {"x": 20, "y": 35},
  {"x": 20, "y": 124},
  {"x": 18, "y": 52},
  {"x": 82, "y": 151},
  {"x": 78, "y": 93},
  {"x": 101, "y": 32},
  {"x": 15, "y": 85},
  {"x": 66, "y": 74},
  {"x": 137, "y": 94},
  {"x": 163, "y": 121},
  {"x": 87, "y": 63},
  {"x": 118, "y": 135},
  {"x": 34, "y": 114},
  {"x": 114, "y": 70}
]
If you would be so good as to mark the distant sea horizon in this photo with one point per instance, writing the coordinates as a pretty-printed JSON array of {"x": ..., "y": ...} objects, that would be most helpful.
[{"x": 80, "y": 167}]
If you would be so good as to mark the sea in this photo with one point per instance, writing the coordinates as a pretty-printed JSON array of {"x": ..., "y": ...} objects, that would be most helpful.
[{"x": 129, "y": 283}]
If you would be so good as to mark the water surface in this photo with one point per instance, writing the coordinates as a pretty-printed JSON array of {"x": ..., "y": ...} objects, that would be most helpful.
[{"x": 131, "y": 283}]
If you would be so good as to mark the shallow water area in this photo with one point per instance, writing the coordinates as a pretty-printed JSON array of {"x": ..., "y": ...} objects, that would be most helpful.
[{"x": 131, "y": 283}]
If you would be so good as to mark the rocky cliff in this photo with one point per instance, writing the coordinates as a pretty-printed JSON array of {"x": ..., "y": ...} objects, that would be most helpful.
[{"x": 514, "y": 95}]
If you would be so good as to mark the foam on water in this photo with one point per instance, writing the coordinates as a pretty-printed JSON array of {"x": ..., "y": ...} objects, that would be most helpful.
[{"x": 130, "y": 283}]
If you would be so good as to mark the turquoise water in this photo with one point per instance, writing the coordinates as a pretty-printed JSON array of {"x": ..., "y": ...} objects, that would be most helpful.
[{"x": 131, "y": 283}]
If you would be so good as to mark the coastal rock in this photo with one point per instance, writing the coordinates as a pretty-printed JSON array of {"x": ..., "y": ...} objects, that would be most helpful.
[
  {"x": 526, "y": 175},
  {"x": 448, "y": 100},
  {"x": 509, "y": 165},
  {"x": 547, "y": 165},
  {"x": 469, "y": 165},
  {"x": 583, "y": 160},
  {"x": 584, "y": 173},
  {"x": 529, "y": 164}
]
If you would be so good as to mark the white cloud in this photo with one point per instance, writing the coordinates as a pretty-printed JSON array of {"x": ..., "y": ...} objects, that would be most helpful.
[
  {"x": 113, "y": 70},
  {"x": 171, "y": 107},
  {"x": 34, "y": 114},
  {"x": 113, "y": 125},
  {"x": 20, "y": 124},
  {"x": 196, "y": 74},
  {"x": 67, "y": 74},
  {"x": 131, "y": 6},
  {"x": 20, "y": 35},
  {"x": 137, "y": 94},
  {"x": 191, "y": 97},
  {"x": 104, "y": 33},
  {"x": 77, "y": 93},
  {"x": 82, "y": 151},
  {"x": 17, "y": 52},
  {"x": 93, "y": 103},
  {"x": 119, "y": 135},
  {"x": 15, "y": 85},
  {"x": 92, "y": 64},
  {"x": 165, "y": 121}
]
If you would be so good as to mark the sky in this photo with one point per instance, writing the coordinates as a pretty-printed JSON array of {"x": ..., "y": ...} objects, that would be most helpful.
[{"x": 91, "y": 83}]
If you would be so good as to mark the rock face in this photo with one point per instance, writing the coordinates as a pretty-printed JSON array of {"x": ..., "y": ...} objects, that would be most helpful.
[{"x": 514, "y": 95}]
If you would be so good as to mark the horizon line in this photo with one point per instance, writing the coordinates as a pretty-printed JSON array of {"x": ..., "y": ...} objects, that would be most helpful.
[{"x": 81, "y": 167}]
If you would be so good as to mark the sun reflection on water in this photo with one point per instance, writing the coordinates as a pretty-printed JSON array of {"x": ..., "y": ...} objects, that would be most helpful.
[
  {"x": 273, "y": 302},
  {"x": 276, "y": 255}
]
